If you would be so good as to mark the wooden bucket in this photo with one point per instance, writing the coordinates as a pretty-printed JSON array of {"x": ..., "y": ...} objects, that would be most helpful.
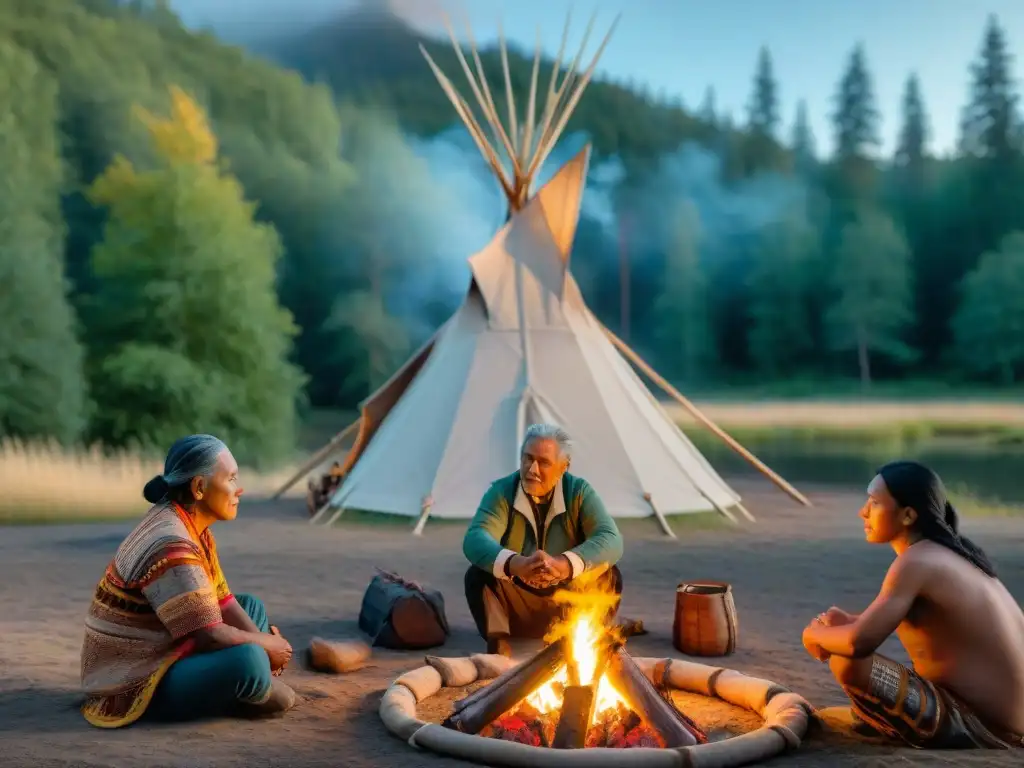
[{"x": 705, "y": 621}]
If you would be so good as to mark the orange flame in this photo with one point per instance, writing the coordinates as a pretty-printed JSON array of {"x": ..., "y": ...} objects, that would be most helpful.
[{"x": 585, "y": 628}]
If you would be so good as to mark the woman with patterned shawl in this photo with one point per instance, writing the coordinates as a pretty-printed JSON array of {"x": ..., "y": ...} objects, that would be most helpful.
[{"x": 164, "y": 635}]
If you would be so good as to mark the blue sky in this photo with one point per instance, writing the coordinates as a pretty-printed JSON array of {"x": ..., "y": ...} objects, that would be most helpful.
[{"x": 682, "y": 46}]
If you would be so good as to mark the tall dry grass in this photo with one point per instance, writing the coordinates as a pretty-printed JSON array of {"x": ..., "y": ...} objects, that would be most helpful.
[{"x": 46, "y": 482}]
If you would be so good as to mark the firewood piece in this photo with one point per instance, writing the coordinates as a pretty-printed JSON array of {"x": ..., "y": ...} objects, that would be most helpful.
[
  {"x": 503, "y": 694},
  {"x": 577, "y": 703},
  {"x": 499, "y": 680},
  {"x": 572, "y": 672},
  {"x": 605, "y": 652},
  {"x": 644, "y": 698},
  {"x": 495, "y": 683},
  {"x": 573, "y": 723}
]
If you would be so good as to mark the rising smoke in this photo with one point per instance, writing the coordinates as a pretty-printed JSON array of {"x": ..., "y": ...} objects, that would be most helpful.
[
  {"x": 468, "y": 208},
  {"x": 452, "y": 205},
  {"x": 465, "y": 207}
]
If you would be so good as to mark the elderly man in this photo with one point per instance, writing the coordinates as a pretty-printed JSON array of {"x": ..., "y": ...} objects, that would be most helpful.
[{"x": 535, "y": 531}]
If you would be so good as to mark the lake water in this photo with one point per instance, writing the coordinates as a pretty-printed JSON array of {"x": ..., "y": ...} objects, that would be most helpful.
[{"x": 991, "y": 473}]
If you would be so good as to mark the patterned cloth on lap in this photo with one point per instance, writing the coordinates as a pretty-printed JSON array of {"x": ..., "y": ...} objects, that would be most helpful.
[
  {"x": 903, "y": 705},
  {"x": 164, "y": 583}
]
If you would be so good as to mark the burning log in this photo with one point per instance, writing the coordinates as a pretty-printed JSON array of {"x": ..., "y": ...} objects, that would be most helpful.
[
  {"x": 502, "y": 679},
  {"x": 574, "y": 722},
  {"x": 482, "y": 707},
  {"x": 661, "y": 714},
  {"x": 572, "y": 672},
  {"x": 578, "y": 701}
]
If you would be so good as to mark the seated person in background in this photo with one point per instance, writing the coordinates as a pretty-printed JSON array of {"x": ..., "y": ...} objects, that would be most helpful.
[
  {"x": 535, "y": 531},
  {"x": 164, "y": 635},
  {"x": 322, "y": 488},
  {"x": 962, "y": 629}
]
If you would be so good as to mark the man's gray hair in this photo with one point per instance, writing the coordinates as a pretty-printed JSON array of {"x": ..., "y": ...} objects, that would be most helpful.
[{"x": 548, "y": 432}]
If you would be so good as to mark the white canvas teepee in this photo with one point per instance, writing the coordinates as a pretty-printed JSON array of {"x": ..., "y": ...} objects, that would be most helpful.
[{"x": 523, "y": 348}]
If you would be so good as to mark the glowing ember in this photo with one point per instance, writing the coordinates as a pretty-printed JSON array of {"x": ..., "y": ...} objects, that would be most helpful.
[
  {"x": 524, "y": 726},
  {"x": 619, "y": 727},
  {"x": 616, "y": 728}
]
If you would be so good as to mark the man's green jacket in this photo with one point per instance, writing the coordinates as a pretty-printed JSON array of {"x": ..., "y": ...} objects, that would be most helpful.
[{"x": 577, "y": 525}]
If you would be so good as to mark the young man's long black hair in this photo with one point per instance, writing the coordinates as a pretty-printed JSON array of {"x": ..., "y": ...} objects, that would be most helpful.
[{"x": 914, "y": 485}]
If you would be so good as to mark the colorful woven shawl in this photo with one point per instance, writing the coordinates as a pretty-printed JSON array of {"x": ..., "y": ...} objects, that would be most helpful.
[{"x": 163, "y": 584}]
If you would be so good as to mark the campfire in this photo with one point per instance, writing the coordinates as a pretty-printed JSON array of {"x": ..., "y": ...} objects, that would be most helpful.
[{"x": 583, "y": 689}]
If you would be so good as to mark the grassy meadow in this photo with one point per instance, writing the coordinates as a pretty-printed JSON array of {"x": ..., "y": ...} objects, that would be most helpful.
[
  {"x": 47, "y": 483},
  {"x": 975, "y": 423}
]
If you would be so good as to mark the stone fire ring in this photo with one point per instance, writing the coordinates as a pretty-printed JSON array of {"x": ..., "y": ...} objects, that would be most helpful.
[{"x": 786, "y": 716}]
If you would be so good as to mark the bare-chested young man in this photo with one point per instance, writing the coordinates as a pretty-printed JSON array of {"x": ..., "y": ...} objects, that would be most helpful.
[{"x": 962, "y": 629}]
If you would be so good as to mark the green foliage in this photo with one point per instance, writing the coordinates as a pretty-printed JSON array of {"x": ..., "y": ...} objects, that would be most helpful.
[
  {"x": 42, "y": 388},
  {"x": 186, "y": 330},
  {"x": 855, "y": 122},
  {"x": 780, "y": 288},
  {"x": 762, "y": 150},
  {"x": 911, "y": 146},
  {"x": 382, "y": 344},
  {"x": 174, "y": 247},
  {"x": 107, "y": 57},
  {"x": 989, "y": 325},
  {"x": 384, "y": 216},
  {"x": 856, "y": 115},
  {"x": 870, "y": 282},
  {"x": 990, "y": 123},
  {"x": 681, "y": 308},
  {"x": 382, "y": 231},
  {"x": 802, "y": 143},
  {"x": 969, "y": 503},
  {"x": 764, "y": 102}
]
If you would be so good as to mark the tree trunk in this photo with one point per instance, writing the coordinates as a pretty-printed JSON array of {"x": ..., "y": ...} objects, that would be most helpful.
[
  {"x": 1006, "y": 369},
  {"x": 863, "y": 359},
  {"x": 624, "y": 286},
  {"x": 372, "y": 343}
]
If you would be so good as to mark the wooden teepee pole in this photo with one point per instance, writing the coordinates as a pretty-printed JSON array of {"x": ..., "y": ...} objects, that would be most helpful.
[
  {"x": 528, "y": 144},
  {"x": 676, "y": 395},
  {"x": 316, "y": 458}
]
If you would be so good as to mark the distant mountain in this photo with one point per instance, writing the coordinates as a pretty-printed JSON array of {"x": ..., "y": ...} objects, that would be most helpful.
[
  {"x": 360, "y": 46},
  {"x": 367, "y": 55}
]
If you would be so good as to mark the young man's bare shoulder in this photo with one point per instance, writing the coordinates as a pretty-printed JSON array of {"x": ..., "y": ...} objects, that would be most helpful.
[
  {"x": 922, "y": 558},
  {"x": 927, "y": 558}
]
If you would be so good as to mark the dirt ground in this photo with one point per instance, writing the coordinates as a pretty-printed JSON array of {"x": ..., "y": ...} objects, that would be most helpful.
[{"x": 791, "y": 564}]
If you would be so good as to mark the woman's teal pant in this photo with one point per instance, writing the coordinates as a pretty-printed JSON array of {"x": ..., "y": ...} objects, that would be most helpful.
[{"x": 212, "y": 684}]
